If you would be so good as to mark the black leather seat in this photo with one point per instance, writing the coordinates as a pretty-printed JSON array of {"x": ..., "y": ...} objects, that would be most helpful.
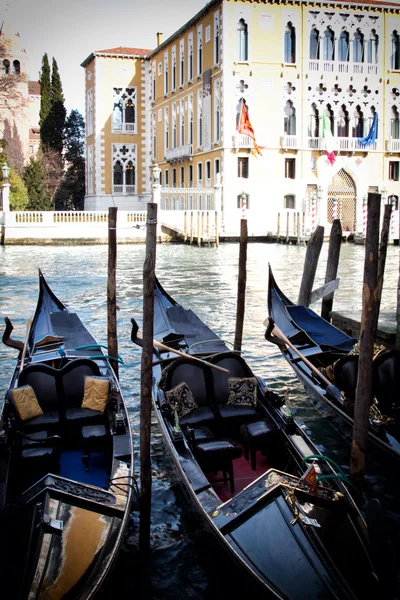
[
  {"x": 258, "y": 435},
  {"x": 217, "y": 455}
]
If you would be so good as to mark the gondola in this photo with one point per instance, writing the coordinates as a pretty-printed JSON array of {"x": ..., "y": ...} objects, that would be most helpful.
[
  {"x": 278, "y": 511},
  {"x": 331, "y": 379},
  {"x": 65, "y": 461}
]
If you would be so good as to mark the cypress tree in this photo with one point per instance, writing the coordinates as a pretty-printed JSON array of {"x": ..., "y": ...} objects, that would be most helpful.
[
  {"x": 52, "y": 127},
  {"x": 45, "y": 90},
  {"x": 33, "y": 177}
]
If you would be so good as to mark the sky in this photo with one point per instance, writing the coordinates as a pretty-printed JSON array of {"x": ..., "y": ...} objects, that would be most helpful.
[{"x": 70, "y": 30}]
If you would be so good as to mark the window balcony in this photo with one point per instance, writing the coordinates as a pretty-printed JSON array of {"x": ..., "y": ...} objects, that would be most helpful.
[
  {"x": 344, "y": 144},
  {"x": 124, "y": 189},
  {"x": 289, "y": 142},
  {"x": 180, "y": 153},
  {"x": 339, "y": 66},
  {"x": 240, "y": 140},
  {"x": 125, "y": 128},
  {"x": 392, "y": 145}
]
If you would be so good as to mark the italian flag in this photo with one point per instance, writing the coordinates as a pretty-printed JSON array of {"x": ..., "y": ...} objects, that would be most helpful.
[{"x": 328, "y": 137}]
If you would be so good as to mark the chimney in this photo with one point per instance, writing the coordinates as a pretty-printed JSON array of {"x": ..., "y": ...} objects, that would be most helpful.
[{"x": 159, "y": 38}]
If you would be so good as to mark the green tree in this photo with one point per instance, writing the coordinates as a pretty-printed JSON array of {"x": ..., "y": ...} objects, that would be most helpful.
[
  {"x": 52, "y": 127},
  {"x": 45, "y": 90},
  {"x": 33, "y": 176},
  {"x": 74, "y": 137},
  {"x": 19, "y": 198},
  {"x": 71, "y": 193}
]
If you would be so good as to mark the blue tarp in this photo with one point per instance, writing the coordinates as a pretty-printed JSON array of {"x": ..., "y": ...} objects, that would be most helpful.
[{"x": 319, "y": 330}]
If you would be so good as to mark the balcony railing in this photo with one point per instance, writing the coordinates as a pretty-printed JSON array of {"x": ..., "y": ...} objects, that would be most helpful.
[
  {"x": 125, "y": 128},
  {"x": 289, "y": 141},
  {"x": 179, "y": 153},
  {"x": 240, "y": 140},
  {"x": 339, "y": 66},
  {"x": 124, "y": 189},
  {"x": 392, "y": 145},
  {"x": 341, "y": 143}
]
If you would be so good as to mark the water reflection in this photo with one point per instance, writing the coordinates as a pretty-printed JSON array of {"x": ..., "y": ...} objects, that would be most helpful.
[{"x": 205, "y": 280}]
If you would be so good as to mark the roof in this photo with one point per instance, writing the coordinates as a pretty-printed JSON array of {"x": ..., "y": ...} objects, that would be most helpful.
[
  {"x": 121, "y": 51},
  {"x": 34, "y": 88}
]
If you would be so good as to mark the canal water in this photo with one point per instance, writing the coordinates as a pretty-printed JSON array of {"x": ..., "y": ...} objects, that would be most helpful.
[{"x": 203, "y": 279}]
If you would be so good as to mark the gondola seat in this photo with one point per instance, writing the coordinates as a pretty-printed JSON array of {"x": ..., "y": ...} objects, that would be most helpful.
[
  {"x": 35, "y": 463},
  {"x": 217, "y": 455},
  {"x": 258, "y": 435},
  {"x": 94, "y": 440}
]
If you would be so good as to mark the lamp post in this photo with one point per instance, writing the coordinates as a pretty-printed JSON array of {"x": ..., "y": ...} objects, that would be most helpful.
[
  {"x": 6, "y": 187},
  {"x": 155, "y": 184}
]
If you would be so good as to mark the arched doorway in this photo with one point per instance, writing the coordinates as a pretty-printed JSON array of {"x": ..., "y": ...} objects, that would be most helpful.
[{"x": 343, "y": 189}]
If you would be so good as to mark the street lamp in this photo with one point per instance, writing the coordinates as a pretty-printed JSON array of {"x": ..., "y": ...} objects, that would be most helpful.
[
  {"x": 155, "y": 173},
  {"x": 5, "y": 171}
]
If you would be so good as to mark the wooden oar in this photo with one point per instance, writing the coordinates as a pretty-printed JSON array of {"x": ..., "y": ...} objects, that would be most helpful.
[
  {"x": 23, "y": 354},
  {"x": 9, "y": 341},
  {"x": 274, "y": 329},
  {"x": 137, "y": 340}
]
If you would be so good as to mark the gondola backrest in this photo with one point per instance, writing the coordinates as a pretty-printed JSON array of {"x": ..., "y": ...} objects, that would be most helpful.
[
  {"x": 194, "y": 374},
  {"x": 236, "y": 366}
]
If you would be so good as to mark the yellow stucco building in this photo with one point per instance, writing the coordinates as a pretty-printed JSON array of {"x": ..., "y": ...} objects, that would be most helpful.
[{"x": 288, "y": 64}]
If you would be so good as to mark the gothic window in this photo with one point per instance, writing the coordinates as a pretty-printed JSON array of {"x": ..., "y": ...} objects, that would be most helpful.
[
  {"x": 181, "y": 62},
  {"x": 290, "y": 44},
  {"x": 190, "y": 57},
  {"x": 329, "y": 44},
  {"x": 358, "y": 127},
  {"x": 358, "y": 46},
  {"x": 166, "y": 82},
  {"x": 166, "y": 128},
  {"x": 199, "y": 50},
  {"x": 200, "y": 118},
  {"x": 174, "y": 68},
  {"x": 373, "y": 48},
  {"x": 182, "y": 121},
  {"x": 343, "y": 122},
  {"x": 217, "y": 111},
  {"x": 395, "y": 51},
  {"x": 313, "y": 124},
  {"x": 371, "y": 120},
  {"x": 289, "y": 118},
  {"x": 343, "y": 47},
  {"x": 314, "y": 44},
  {"x": 199, "y": 174},
  {"x": 190, "y": 117},
  {"x": 216, "y": 38},
  {"x": 174, "y": 127},
  {"x": 124, "y": 168},
  {"x": 395, "y": 124},
  {"x": 16, "y": 67},
  {"x": 6, "y": 67},
  {"x": 242, "y": 41},
  {"x": 124, "y": 110}
]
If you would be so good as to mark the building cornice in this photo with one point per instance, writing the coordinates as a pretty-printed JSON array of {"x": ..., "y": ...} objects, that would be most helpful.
[{"x": 110, "y": 55}]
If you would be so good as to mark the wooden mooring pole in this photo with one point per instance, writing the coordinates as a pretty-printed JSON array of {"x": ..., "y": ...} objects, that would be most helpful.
[
  {"x": 241, "y": 293},
  {"x": 216, "y": 230},
  {"x": 185, "y": 226},
  {"x": 191, "y": 227},
  {"x": 146, "y": 378},
  {"x": 310, "y": 265},
  {"x": 335, "y": 242},
  {"x": 111, "y": 289},
  {"x": 369, "y": 321},
  {"x": 278, "y": 231}
]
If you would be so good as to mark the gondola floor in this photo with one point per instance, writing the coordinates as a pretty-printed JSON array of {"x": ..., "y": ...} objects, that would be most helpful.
[
  {"x": 243, "y": 476},
  {"x": 72, "y": 467}
]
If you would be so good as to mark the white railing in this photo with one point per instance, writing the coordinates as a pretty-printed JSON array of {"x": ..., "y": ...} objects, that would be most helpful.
[
  {"x": 289, "y": 141},
  {"x": 185, "y": 151},
  {"x": 125, "y": 128},
  {"x": 240, "y": 140},
  {"x": 173, "y": 199},
  {"x": 340, "y": 66},
  {"x": 341, "y": 143},
  {"x": 124, "y": 189},
  {"x": 392, "y": 145}
]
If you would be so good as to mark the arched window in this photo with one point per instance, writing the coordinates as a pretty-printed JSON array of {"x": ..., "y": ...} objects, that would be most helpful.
[
  {"x": 395, "y": 51},
  {"x": 358, "y": 46},
  {"x": 343, "y": 122},
  {"x": 373, "y": 43},
  {"x": 358, "y": 127},
  {"x": 117, "y": 116},
  {"x": 6, "y": 67},
  {"x": 371, "y": 120},
  {"x": 329, "y": 44},
  {"x": 16, "y": 67},
  {"x": 289, "y": 201},
  {"x": 130, "y": 175},
  {"x": 343, "y": 46},
  {"x": 129, "y": 112},
  {"x": 313, "y": 124},
  {"x": 290, "y": 44},
  {"x": 118, "y": 174},
  {"x": 289, "y": 118},
  {"x": 395, "y": 124},
  {"x": 242, "y": 41},
  {"x": 314, "y": 44}
]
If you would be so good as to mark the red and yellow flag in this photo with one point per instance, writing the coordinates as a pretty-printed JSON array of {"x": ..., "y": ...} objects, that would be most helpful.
[
  {"x": 310, "y": 478},
  {"x": 246, "y": 127}
]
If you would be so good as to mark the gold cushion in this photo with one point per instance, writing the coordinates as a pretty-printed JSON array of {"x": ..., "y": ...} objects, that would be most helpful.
[
  {"x": 96, "y": 393},
  {"x": 26, "y": 403},
  {"x": 242, "y": 391},
  {"x": 181, "y": 399}
]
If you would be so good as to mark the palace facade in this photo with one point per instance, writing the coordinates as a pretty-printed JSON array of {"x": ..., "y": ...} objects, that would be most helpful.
[{"x": 288, "y": 63}]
